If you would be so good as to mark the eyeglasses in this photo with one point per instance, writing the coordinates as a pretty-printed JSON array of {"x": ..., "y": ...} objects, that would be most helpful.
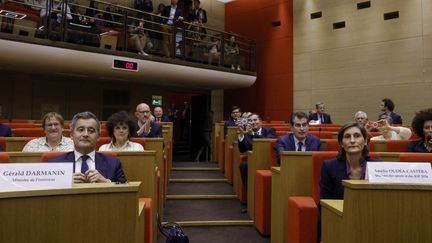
[
  {"x": 48, "y": 125},
  {"x": 143, "y": 112},
  {"x": 299, "y": 125}
]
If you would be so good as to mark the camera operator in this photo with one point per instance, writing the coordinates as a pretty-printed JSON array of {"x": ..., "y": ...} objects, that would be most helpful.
[
  {"x": 389, "y": 132},
  {"x": 246, "y": 133}
]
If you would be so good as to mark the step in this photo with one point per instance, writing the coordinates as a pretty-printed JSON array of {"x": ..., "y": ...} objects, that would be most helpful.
[
  {"x": 178, "y": 164},
  {"x": 204, "y": 210},
  {"x": 194, "y": 180},
  {"x": 202, "y": 223},
  {"x": 195, "y": 169},
  {"x": 185, "y": 188},
  {"x": 188, "y": 197},
  {"x": 197, "y": 174}
]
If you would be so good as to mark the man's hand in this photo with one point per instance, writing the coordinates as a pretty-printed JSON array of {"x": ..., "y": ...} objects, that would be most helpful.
[
  {"x": 95, "y": 176},
  {"x": 79, "y": 177},
  {"x": 249, "y": 129}
]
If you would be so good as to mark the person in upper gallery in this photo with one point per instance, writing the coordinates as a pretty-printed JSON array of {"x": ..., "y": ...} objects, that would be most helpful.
[
  {"x": 52, "y": 124},
  {"x": 172, "y": 13},
  {"x": 389, "y": 132},
  {"x": 159, "y": 116},
  {"x": 138, "y": 37},
  {"x": 422, "y": 126},
  {"x": 299, "y": 139},
  {"x": 90, "y": 166},
  {"x": 235, "y": 115},
  {"x": 197, "y": 14},
  {"x": 232, "y": 52},
  {"x": 147, "y": 127},
  {"x": 320, "y": 115},
  {"x": 246, "y": 134},
  {"x": 361, "y": 118},
  {"x": 120, "y": 127},
  {"x": 349, "y": 164},
  {"x": 387, "y": 106}
]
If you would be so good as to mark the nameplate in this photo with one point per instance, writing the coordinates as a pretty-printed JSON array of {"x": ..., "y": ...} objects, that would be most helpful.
[
  {"x": 33, "y": 176},
  {"x": 399, "y": 173}
]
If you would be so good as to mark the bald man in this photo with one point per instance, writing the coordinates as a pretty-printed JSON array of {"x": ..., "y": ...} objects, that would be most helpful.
[{"x": 146, "y": 126}]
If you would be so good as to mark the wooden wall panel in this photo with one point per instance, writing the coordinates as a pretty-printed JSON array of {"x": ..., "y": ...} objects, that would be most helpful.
[{"x": 353, "y": 68}]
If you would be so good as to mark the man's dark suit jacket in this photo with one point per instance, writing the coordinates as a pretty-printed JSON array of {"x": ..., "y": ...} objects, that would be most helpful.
[
  {"x": 417, "y": 147},
  {"x": 229, "y": 123},
  {"x": 155, "y": 131},
  {"x": 195, "y": 16},
  {"x": 286, "y": 143},
  {"x": 396, "y": 118},
  {"x": 5, "y": 131},
  {"x": 333, "y": 171},
  {"x": 163, "y": 119},
  {"x": 327, "y": 118},
  {"x": 166, "y": 13},
  {"x": 110, "y": 167},
  {"x": 246, "y": 143}
]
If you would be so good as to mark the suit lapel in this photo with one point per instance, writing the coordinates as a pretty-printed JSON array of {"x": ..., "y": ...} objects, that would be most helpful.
[
  {"x": 100, "y": 164},
  {"x": 291, "y": 143}
]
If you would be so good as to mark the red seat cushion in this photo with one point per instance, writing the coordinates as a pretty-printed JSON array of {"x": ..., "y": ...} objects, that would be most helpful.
[
  {"x": 415, "y": 157},
  {"x": 28, "y": 132},
  {"x": 263, "y": 201},
  {"x": 101, "y": 141},
  {"x": 302, "y": 220},
  {"x": 2, "y": 144},
  {"x": 148, "y": 219},
  {"x": 48, "y": 155},
  {"x": 138, "y": 140},
  {"x": 317, "y": 162},
  {"x": 332, "y": 145},
  {"x": 4, "y": 157},
  {"x": 397, "y": 145}
]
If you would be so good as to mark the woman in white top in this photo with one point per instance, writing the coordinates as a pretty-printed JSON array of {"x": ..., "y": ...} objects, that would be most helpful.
[
  {"x": 52, "y": 123},
  {"x": 391, "y": 133},
  {"x": 120, "y": 127}
]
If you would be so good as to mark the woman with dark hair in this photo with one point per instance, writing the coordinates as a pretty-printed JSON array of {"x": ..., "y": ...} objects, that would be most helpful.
[
  {"x": 422, "y": 125},
  {"x": 350, "y": 163},
  {"x": 120, "y": 127}
]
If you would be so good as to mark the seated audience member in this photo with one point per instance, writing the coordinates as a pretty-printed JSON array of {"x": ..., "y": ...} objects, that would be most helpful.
[
  {"x": 90, "y": 166},
  {"x": 139, "y": 37},
  {"x": 299, "y": 139},
  {"x": 350, "y": 163},
  {"x": 146, "y": 126},
  {"x": 235, "y": 115},
  {"x": 387, "y": 107},
  {"x": 120, "y": 127},
  {"x": 52, "y": 123},
  {"x": 232, "y": 52},
  {"x": 389, "y": 132},
  {"x": 422, "y": 125},
  {"x": 214, "y": 47},
  {"x": 159, "y": 116},
  {"x": 245, "y": 136},
  {"x": 320, "y": 115},
  {"x": 5, "y": 130},
  {"x": 361, "y": 118}
]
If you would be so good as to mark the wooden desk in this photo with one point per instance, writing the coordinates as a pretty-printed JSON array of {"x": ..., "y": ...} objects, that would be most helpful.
[
  {"x": 97, "y": 212},
  {"x": 378, "y": 213},
  {"x": 229, "y": 140}
]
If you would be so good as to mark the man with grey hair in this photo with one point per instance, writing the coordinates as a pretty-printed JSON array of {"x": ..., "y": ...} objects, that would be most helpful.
[
  {"x": 361, "y": 118},
  {"x": 89, "y": 165}
]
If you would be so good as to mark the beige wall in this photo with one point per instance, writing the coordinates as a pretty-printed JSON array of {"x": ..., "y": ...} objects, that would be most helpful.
[
  {"x": 26, "y": 97},
  {"x": 353, "y": 68}
]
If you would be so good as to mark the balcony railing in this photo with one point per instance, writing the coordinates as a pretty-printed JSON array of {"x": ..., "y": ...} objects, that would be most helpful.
[{"x": 121, "y": 29}]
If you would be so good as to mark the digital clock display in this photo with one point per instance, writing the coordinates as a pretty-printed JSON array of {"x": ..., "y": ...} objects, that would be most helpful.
[{"x": 125, "y": 65}]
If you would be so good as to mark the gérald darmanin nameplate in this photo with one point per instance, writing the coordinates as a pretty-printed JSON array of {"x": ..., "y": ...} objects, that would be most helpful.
[
  {"x": 396, "y": 173},
  {"x": 30, "y": 176}
]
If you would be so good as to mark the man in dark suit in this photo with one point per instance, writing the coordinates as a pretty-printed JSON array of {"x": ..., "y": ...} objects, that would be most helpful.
[
  {"x": 90, "y": 166},
  {"x": 159, "y": 116},
  {"x": 245, "y": 136},
  {"x": 198, "y": 14},
  {"x": 147, "y": 127},
  {"x": 299, "y": 139},
  {"x": 387, "y": 107},
  {"x": 235, "y": 115},
  {"x": 320, "y": 114},
  {"x": 172, "y": 14}
]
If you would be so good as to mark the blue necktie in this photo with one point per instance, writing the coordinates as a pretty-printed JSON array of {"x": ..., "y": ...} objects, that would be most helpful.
[
  {"x": 84, "y": 165},
  {"x": 300, "y": 145}
]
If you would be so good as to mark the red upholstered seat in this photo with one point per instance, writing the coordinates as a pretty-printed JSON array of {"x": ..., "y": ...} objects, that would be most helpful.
[
  {"x": 110, "y": 153},
  {"x": 332, "y": 145},
  {"x": 28, "y": 132},
  {"x": 303, "y": 214},
  {"x": 397, "y": 145},
  {"x": 415, "y": 157},
  {"x": 138, "y": 140},
  {"x": 2, "y": 144},
  {"x": 317, "y": 162},
  {"x": 322, "y": 134},
  {"x": 148, "y": 219},
  {"x": 4, "y": 157},
  {"x": 48, "y": 155},
  {"x": 263, "y": 201},
  {"x": 21, "y": 125}
]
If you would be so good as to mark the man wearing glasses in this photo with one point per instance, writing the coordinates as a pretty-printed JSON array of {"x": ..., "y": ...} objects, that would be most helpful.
[
  {"x": 299, "y": 139},
  {"x": 146, "y": 126}
]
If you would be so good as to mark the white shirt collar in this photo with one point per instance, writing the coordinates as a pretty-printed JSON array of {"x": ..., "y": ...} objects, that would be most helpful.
[{"x": 78, "y": 155}]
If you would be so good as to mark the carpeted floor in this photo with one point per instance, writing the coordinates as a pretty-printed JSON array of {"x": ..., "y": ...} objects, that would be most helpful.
[
  {"x": 195, "y": 164},
  {"x": 216, "y": 188},
  {"x": 197, "y": 175}
]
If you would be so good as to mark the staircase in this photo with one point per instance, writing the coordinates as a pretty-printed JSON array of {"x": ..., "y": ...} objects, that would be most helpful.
[{"x": 200, "y": 199}]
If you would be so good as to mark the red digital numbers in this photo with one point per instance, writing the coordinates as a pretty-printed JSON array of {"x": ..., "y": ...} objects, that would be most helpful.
[{"x": 129, "y": 65}]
